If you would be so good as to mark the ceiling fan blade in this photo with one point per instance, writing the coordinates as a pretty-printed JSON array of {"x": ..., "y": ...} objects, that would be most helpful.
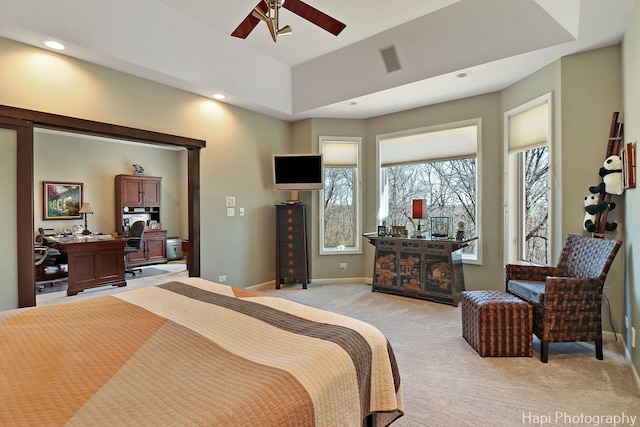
[
  {"x": 249, "y": 23},
  {"x": 314, "y": 16}
]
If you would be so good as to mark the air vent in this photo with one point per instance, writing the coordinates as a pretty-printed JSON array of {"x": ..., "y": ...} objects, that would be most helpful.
[{"x": 390, "y": 58}]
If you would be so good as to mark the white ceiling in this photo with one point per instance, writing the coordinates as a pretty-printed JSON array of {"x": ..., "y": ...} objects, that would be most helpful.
[{"x": 187, "y": 44}]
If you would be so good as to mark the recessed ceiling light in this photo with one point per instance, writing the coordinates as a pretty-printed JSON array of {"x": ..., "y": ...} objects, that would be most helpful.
[
  {"x": 52, "y": 44},
  {"x": 218, "y": 96}
]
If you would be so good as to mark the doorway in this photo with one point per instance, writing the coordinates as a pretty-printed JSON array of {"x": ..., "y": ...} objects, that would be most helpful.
[{"x": 26, "y": 120}]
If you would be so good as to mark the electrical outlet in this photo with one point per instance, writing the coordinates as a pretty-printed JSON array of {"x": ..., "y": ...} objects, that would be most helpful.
[
  {"x": 222, "y": 278},
  {"x": 343, "y": 265}
]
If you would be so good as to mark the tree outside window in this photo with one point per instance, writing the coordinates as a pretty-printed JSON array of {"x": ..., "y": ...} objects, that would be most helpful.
[
  {"x": 449, "y": 187},
  {"x": 339, "y": 208},
  {"x": 536, "y": 216},
  {"x": 438, "y": 164},
  {"x": 340, "y": 225}
]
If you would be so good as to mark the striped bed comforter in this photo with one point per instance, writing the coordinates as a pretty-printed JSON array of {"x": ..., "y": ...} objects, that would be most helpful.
[{"x": 193, "y": 352}]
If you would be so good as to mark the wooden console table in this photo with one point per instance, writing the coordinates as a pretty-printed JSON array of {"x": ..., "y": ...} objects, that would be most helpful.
[
  {"x": 93, "y": 262},
  {"x": 419, "y": 267}
]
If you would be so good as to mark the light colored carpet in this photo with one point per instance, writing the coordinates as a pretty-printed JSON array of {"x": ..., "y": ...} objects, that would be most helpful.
[{"x": 446, "y": 383}]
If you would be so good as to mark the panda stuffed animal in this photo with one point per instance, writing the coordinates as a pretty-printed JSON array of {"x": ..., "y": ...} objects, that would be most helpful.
[
  {"x": 592, "y": 207},
  {"x": 612, "y": 180}
]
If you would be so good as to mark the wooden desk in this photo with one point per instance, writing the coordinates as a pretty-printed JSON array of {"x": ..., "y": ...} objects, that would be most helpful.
[
  {"x": 418, "y": 267},
  {"x": 92, "y": 262}
]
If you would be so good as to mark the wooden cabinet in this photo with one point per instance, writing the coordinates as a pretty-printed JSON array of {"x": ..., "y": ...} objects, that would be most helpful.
[
  {"x": 292, "y": 257},
  {"x": 136, "y": 196},
  {"x": 153, "y": 251},
  {"x": 419, "y": 268},
  {"x": 138, "y": 191}
]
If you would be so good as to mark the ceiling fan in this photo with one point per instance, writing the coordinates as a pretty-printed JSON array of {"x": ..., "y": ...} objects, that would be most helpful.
[{"x": 268, "y": 11}]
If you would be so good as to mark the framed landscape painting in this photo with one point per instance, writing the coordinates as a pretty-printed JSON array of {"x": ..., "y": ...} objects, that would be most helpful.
[{"x": 62, "y": 200}]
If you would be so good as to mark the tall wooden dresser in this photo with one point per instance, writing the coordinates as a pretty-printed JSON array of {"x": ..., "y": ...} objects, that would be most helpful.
[{"x": 292, "y": 256}]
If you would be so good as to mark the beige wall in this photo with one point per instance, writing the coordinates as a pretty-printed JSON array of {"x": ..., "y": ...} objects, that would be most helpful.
[
  {"x": 591, "y": 92},
  {"x": 631, "y": 83},
  {"x": 8, "y": 218}
]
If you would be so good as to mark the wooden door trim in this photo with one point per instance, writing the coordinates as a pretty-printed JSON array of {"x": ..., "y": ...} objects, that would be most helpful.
[
  {"x": 24, "y": 121},
  {"x": 24, "y": 208}
]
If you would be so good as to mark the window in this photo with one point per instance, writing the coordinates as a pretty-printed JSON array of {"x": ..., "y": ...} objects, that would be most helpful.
[
  {"x": 527, "y": 182},
  {"x": 439, "y": 164},
  {"x": 340, "y": 225}
]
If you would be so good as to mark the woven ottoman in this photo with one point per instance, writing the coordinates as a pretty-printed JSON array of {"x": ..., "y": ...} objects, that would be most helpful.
[{"x": 497, "y": 323}]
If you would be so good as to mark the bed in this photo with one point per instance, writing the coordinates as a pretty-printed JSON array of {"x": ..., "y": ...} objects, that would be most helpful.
[{"x": 194, "y": 352}]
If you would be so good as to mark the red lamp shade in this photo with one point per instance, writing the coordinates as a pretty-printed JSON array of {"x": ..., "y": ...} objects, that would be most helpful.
[{"x": 419, "y": 209}]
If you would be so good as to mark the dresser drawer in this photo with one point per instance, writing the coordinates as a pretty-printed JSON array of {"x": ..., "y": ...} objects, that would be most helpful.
[
  {"x": 286, "y": 238},
  {"x": 291, "y": 264},
  {"x": 291, "y": 220},
  {"x": 292, "y": 272}
]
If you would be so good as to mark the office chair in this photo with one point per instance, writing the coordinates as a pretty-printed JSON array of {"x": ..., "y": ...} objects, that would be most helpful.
[
  {"x": 134, "y": 244},
  {"x": 40, "y": 254}
]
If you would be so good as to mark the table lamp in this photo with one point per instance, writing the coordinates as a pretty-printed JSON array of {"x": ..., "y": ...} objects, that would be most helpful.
[
  {"x": 84, "y": 210},
  {"x": 419, "y": 211}
]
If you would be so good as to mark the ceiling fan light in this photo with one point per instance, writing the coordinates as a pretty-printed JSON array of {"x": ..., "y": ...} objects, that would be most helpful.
[
  {"x": 271, "y": 24},
  {"x": 285, "y": 31},
  {"x": 258, "y": 13}
]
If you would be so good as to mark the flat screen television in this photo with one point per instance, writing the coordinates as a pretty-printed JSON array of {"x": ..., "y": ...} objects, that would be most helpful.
[{"x": 294, "y": 172}]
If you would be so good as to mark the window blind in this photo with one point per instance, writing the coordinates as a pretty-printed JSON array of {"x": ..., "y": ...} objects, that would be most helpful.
[
  {"x": 529, "y": 129},
  {"x": 340, "y": 154},
  {"x": 430, "y": 146}
]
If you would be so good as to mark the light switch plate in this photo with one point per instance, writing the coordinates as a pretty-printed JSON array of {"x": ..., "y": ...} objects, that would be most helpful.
[
  {"x": 231, "y": 212},
  {"x": 230, "y": 201}
]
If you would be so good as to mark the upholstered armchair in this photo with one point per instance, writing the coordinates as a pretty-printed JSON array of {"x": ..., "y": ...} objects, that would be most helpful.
[{"x": 567, "y": 298}]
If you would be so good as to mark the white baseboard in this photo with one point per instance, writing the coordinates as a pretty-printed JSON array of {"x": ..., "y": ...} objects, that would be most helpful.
[
  {"x": 627, "y": 358},
  {"x": 265, "y": 286},
  {"x": 610, "y": 336},
  {"x": 343, "y": 280}
]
